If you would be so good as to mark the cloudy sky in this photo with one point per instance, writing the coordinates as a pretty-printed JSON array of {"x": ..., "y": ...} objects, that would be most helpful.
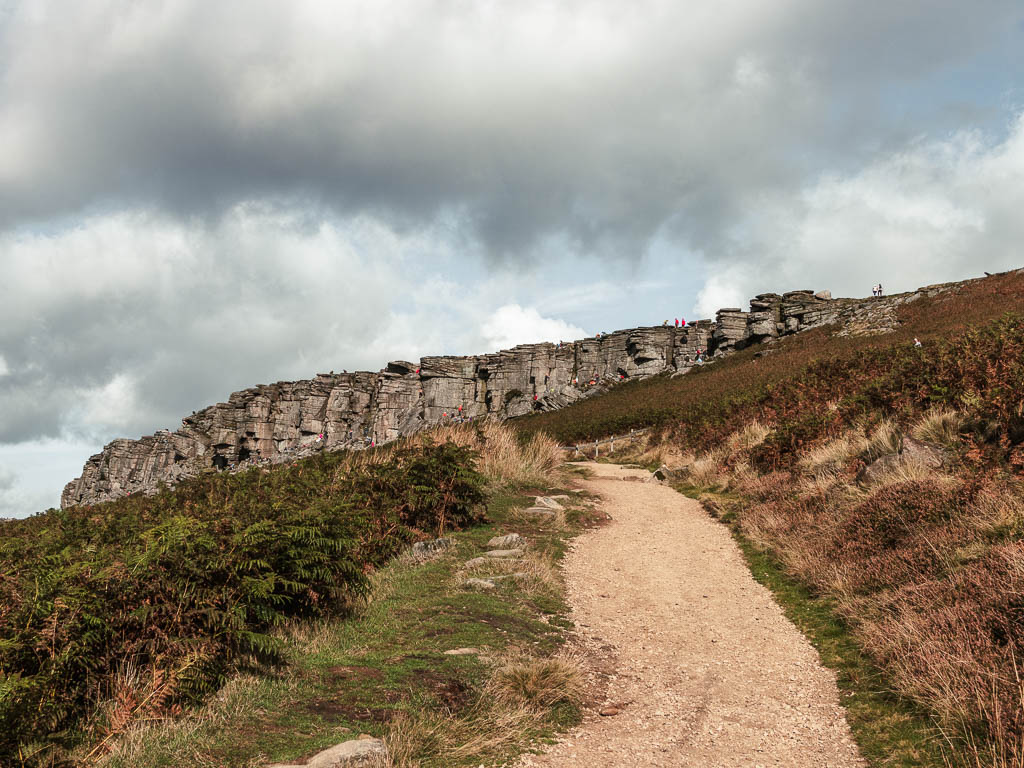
[{"x": 199, "y": 196}]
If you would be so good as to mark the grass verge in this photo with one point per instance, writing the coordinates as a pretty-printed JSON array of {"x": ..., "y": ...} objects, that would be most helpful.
[
  {"x": 385, "y": 672},
  {"x": 889, "y": 730}
]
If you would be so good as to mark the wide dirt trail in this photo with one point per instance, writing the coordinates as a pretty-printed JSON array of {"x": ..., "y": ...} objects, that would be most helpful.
[{"x": 708, "y": 670}]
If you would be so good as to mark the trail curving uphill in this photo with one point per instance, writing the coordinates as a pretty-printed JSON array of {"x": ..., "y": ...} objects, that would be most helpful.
[{"x": 704, "y": 665}]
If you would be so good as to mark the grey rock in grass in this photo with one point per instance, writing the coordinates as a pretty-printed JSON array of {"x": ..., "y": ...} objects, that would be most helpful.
[
  {"x": 666, "y": 475},
  {"x": 476, "y": 561},
  {"x": 874, "y": 471},
  {"x": 462, "y": 651},
  {"x": 348, "y": 754},
  {"x": 539, "y": 512},
  {"x": 508, "y": 541},
  {"x": 548, "y": 502},
  {"x": 504, "y": 553},
  {"x": 923, "y": 453},
  {"x": 425, "y": 549},
  {"x": 485, "y": 584}
]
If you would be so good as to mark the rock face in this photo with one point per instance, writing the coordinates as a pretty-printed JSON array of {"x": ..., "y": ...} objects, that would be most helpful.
[{"x": 280, "y": 422}]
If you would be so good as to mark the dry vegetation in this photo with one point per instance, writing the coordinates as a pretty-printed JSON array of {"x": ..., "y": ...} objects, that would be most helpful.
[
  {"x": 506, "y": 460},
  {"x": 925, "y": 565}
]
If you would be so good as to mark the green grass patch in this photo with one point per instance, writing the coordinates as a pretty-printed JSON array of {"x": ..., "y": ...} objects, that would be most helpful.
[{"x": 363, "y": 674}]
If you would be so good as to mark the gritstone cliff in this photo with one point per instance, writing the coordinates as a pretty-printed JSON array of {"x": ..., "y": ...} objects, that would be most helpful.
[{"x": 279, "y": 422}]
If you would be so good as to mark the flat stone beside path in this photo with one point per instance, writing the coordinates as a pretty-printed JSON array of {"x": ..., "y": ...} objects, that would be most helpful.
[
  {"x": 349, "y": 754},
  {"x": 508, "y": 541},
  {"x": 706, "y": 671}
]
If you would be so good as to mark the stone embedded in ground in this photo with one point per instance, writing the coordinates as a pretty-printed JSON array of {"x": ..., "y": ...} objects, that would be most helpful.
[
  {"x": 501, "y": 553},
  {"x": 462, "y": 651},
  {"x": 927, "y": 455},
  {"x": 476, "y": 561},
  {"x": 874, "y": 471},
  {"x": 349, "y": 754},
  {"x": 608, "y": 711},
  {"x": 508, "y": 541},
  {"x": 425, "y": 549},
  {"x": 548, "y": 502},
  {"x": 539, "y": 512},
  {"x": 484, "y": 584}
]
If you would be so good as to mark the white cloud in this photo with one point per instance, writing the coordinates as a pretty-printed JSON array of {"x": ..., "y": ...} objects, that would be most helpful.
[
  {"x": 33, "y": 473},
  {"x": 722, "y": 290},
  {"x": 4, "y": 370},
  {"x": 512, "y": 324},
  {"x": 933, "y": 211}
]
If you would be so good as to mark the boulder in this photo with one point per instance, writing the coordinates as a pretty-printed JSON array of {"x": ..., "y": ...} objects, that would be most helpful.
[
  {"x": 348, "y": 754},
  {"x": 923, "y": 453},
  {"x": 540, "y": 513},
  {"x": 664, "y": 474},
  {"x": 508, "y": 541},
  {"x": 879, "y": 467},
  {"x": 497, "y": 554}
]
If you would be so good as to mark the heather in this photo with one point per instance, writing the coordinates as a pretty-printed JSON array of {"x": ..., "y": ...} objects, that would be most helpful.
[{"x": 136, "y": 608}]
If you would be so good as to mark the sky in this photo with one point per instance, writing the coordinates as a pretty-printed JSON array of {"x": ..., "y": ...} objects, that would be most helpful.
[{"x": 197, "y": 197}]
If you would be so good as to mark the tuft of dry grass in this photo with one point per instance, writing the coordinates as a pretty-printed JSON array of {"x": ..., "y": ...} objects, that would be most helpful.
[
  {"x": 940, "y": 426},
  {"x": 482, "y": 732},
  {"x": 828, "y": 458},
  {"x": 906, "y": 471},
  {"x": 505, "y": 459},
  {"x": 998, "y": 511},
  {"x": 750, "y": 436},
  {"x": 885, "y": 440},
  {"x": 538, "y": 682},
  {"x": 517, "y": 698}
]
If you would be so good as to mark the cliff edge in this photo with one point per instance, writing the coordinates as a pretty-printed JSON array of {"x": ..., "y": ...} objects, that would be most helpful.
[{"x": 286, "y": 420}]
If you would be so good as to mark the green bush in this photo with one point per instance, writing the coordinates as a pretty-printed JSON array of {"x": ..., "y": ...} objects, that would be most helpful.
[{"x": 188, "y": 585}]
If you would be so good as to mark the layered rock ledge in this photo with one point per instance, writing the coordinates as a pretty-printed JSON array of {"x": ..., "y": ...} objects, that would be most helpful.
[{"x": 279, "y": 422}]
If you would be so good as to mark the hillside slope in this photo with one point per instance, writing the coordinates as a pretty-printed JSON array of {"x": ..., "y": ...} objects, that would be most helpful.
[
  {"x": 886, "y": 478},
  {"x": 280, "y": 422}
]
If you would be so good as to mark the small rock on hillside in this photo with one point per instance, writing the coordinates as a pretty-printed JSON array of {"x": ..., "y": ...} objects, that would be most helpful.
[
  {"x": 548, "y": 502},
  {"x": 348, "y": 754},
  {"x": 922, "y": 453},
  {"x": 509, "y": 541},
  {"x": 504, "y": 553}
]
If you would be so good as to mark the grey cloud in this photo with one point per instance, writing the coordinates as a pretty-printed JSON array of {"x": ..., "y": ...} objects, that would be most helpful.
[{"x": 521, "y": 124}]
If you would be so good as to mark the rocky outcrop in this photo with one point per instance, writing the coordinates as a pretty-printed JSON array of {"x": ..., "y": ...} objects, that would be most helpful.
[{"x": 283, "y": 421}]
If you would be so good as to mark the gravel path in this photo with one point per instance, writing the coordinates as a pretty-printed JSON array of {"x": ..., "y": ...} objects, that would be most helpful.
[{"x": 704, "y": 666}]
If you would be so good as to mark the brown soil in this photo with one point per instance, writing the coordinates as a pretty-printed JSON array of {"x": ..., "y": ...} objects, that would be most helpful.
[{"x": 705, "y": 668}]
